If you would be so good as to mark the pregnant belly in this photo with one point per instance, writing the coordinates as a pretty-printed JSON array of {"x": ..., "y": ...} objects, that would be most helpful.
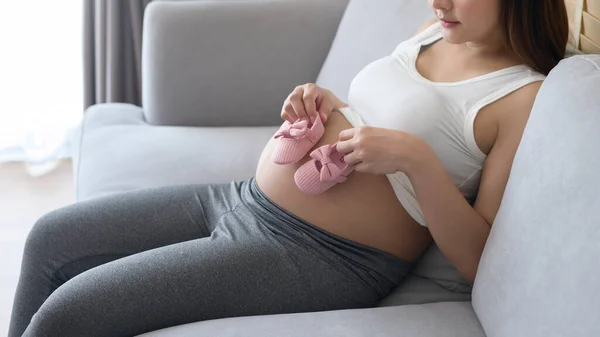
[{"x": 363, "y": 209}]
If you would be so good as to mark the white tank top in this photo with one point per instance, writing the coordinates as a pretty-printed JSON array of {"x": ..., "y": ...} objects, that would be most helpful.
[{"x": 390, "y": 93}]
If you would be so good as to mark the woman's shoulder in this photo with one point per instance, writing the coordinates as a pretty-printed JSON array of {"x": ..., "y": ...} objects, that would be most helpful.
[
  {"x": 505, "y": 119},
  {"x": 514, "y": 109},
  {"x": 522, "y": 99}
]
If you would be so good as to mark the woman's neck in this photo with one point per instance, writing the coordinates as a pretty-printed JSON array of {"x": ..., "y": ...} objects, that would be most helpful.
[{"x": 493, "y": 47}]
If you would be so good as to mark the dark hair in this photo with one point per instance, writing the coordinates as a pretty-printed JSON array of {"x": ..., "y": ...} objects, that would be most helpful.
[{"x": 537, "y": 31}]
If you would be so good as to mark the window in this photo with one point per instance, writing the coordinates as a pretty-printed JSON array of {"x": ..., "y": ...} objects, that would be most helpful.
[{"x": 41, "y": 79}]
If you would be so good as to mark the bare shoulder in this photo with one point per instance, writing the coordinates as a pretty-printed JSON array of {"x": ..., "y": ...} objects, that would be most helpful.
[
  {"x": 526, "y": 95},
  {"x": 506, "y": 118},
  {"x": 426, "y": 25},
  {"x": 515, "y": 108}
]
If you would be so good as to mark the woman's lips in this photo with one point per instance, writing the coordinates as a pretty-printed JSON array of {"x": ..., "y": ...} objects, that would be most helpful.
[{"x": 448, "y": 24}]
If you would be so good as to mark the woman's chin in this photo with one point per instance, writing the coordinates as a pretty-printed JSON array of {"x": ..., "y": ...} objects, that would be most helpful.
[{"x": 452, "y": 37}]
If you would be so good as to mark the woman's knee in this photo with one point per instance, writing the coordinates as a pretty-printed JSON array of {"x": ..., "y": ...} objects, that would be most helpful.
[
  {"x": 49, "y": 230},
  {"x": 94, "y": 303},
  {"x": 53, "y": 241},
  {"x": 45, "y": 229},
  {"x": 62, "y": 314}
]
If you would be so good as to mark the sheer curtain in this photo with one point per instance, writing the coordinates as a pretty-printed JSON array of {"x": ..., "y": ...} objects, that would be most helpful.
[{"x": 41, "y": 81}]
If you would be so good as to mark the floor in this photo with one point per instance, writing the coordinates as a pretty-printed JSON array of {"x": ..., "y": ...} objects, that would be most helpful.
[{"x": 23, "y": 199}]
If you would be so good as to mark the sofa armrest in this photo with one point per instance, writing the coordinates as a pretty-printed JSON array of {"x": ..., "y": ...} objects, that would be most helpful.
[{"x": 231, "y": 63}]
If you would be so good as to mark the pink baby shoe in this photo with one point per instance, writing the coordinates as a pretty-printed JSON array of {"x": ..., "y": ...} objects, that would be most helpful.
[
  {"x": 326, "y": 169},
  {"x": 296, "y": 139}
]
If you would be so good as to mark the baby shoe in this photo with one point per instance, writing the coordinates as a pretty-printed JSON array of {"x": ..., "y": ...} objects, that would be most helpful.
[
  {"x": 326, "y": 169},
  {"x": 296, "y": 139}
]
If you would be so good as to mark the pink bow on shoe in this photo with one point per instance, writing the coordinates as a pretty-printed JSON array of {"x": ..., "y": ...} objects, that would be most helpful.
[
  {"x": 297, "y": 130},
  {"x": 329, "y": 170},
  {"x": 296, "y": 139},
  {"x": 326, "y": 169}
]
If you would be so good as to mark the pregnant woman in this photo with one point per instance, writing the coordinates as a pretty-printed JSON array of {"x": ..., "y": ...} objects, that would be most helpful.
[{"x": 428, "y": 136}]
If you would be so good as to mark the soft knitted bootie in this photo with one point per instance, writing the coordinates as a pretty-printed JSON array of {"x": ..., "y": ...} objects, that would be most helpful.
[
  {"x": 321, "y": 173},
  {"x": 296, "y": 139}
]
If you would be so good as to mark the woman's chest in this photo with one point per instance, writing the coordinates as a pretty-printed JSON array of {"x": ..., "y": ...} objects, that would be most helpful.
[{"x": 387, "y": 95}]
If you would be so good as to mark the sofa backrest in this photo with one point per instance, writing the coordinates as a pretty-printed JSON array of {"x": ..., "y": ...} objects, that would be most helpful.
[
  {"x": 540, "y": 271},
  {"x": 370, "y": 29}
]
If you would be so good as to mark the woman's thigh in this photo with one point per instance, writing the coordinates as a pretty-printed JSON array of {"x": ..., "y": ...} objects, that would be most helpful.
[
  {"x": 241, "y": 269},
  {"x": 71, "y": 238},
  {"x": 68, "y": 241}
]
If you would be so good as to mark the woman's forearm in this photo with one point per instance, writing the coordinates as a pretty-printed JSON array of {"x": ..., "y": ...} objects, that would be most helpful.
[{"x": 458, "y": 230}]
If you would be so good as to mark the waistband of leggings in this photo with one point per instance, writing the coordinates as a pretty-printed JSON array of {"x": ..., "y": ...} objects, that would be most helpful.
[{"x": 358, "y": 255}]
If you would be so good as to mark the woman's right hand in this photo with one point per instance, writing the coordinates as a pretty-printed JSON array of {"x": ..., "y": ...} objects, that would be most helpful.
[{"x": 310, "y": 100}]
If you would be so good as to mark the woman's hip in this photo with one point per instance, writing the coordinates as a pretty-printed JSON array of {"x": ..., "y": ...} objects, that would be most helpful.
[{"x": 354, "y": 260}]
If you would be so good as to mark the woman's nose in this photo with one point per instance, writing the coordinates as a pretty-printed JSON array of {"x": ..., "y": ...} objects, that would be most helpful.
[{"x": 443, "y": 5}]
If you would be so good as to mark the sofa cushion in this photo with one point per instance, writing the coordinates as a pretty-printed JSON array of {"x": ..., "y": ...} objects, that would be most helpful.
[
  {"x": 439, "y": 319},
  {"x": 432, "y": 279},
  {"x": 416, "y": 289},
  {"x": 539, "y": 273},
  {"x": 116, "y": 151},
  {"x": 368, "y": 31}
]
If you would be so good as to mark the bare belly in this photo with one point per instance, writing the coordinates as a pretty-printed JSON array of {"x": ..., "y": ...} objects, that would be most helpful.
[{"x": 363, "y": 209}]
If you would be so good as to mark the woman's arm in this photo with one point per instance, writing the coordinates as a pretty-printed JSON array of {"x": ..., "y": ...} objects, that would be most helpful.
[{"x": 458, "y": 229}]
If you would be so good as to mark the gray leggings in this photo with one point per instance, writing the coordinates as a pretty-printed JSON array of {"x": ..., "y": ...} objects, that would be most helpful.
[{"x": 143, "y": 260}]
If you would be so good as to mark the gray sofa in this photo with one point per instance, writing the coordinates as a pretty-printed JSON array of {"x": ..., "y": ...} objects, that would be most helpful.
[{"x": 216, "y": 73}]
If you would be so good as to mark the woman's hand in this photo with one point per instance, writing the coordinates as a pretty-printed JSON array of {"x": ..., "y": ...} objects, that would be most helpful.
[
  {"x": 310, "y": 100},
  {"x": 384, "y": 151}
]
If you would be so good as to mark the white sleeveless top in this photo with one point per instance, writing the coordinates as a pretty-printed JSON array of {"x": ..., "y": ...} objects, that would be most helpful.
[{"x": 390, "y": 93}]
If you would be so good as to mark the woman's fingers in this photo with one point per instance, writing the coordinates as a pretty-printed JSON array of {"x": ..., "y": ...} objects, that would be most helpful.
[
  {"x": 352, "y": 159},
  {"x": 325, "y": 108},
  {"x": 326, "y": 104},
  {"x": 310, "y": 97},
  {"x": 288, "y": 112},
  {"x": 347, "y": 134},
  {"x": 296, "y": 101},
  {"x": 307, "y": 101},
  {"x": 344, "y": 147}
]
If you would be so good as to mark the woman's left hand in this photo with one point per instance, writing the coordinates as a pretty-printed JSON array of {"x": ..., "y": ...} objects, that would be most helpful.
[{"x": 383, "y": 151}]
